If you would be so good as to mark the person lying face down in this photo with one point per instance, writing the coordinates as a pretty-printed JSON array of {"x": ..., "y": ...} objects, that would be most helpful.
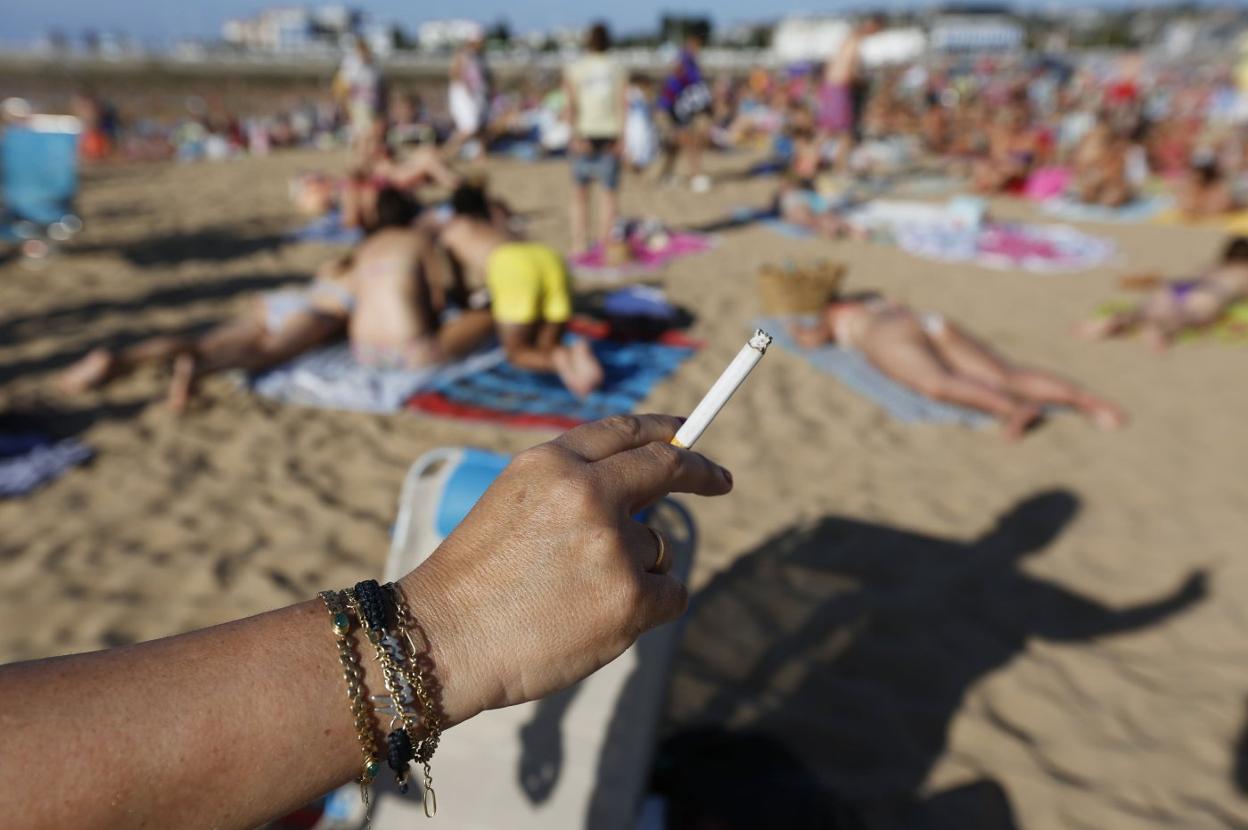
[
  {"x": 277, "y": 327},
  {"x": 940, "y": 360},
  {"x": 529, "y": 292},
  {"x": 1180, "y": 305},
  {"x": 799, "y": 203}
]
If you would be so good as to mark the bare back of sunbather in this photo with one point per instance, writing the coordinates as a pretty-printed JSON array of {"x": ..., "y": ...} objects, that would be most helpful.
[{"x": 395, "y": 321}]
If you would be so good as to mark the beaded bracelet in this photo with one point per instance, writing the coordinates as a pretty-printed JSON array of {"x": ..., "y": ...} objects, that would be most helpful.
[
  {"x": 369, "y": 604},
  {"x": 354, "y": 677}
]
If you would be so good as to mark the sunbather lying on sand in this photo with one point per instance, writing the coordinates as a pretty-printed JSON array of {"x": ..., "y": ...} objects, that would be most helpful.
[
  {"x": 800, "y": 204},
  {"x": 388, "y": 293},
  {"x": 1182, "y": 304},
  {"x": 356, "y": 195},
  {"x": 278, "y": 327},
  {"x": 529, "y": 291},
  {"x": 939, "y": 359},
  {"x": 1205, "y": 192}
]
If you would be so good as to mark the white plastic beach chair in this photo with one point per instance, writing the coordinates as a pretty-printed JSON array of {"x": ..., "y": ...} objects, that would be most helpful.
[{"x": 580, "y": 759}]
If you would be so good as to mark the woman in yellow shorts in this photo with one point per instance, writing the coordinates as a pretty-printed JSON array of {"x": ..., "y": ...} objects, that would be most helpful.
[{"x": 529, "y": 289}]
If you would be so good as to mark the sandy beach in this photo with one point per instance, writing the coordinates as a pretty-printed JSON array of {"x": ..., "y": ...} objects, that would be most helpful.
[{"x": 924, "y": 620}]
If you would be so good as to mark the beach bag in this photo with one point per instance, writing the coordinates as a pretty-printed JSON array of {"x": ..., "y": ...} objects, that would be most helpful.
[{"x": 792, "y": 291}]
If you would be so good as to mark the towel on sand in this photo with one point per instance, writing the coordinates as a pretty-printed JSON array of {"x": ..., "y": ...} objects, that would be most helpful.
[
  {"x": 327, "y": 229},
  {"x": 852, "y": 369},
  {"x": 953, "y": 233},
  {"x": 330, "y": 378},
  {"x": 593, "y": 263},
  {"x": 30, "y": 460},
  {"x": 1137, "y": 210},
  {"x": 482, "y": 386},
  {"x": 1231, "y": 329},
  {"x": 1236, "y": 222},
  {"x": 504, "y": 394}
]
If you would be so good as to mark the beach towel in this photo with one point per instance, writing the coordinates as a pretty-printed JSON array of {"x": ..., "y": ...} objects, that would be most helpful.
[
  {"x": 505, "y": 394},
  {"x": 1231, "y": 329},
  {"x": 592, "y": 263},
  {"x": 1236, "y": 222},
  {"x": 787, "y": 229},
  {"x": 327, "y": 229},
  {"x": 1137, "y": 210},
  {"x": 330, "y": 378},
  {"x": 951, "y": 233},
  {"x": 30, "y": 460},
  {"x": 1047, "y": 183},
  {"x": 926, "y": 183},
  {"x": 852, "y": 369}
]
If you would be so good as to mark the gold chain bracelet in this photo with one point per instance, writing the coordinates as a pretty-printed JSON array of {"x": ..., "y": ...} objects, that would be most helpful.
[
  {"x": 428, "y": 743},
  {"x": 354, "y": 677}
]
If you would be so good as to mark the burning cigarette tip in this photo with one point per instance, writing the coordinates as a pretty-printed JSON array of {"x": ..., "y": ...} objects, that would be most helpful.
[{"x": 761, "y": 340}]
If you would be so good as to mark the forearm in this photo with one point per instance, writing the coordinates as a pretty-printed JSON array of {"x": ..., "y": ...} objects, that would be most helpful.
[{"x": 225, "y": 727}]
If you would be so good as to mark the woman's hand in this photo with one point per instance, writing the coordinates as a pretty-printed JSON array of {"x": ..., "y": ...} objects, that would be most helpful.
[{"x": 548, "y": 578}]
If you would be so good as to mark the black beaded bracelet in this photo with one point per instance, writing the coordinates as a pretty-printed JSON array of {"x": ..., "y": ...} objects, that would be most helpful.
[
  {"x": 399, "y": 754},
  {"x": 374, "y": 604}
]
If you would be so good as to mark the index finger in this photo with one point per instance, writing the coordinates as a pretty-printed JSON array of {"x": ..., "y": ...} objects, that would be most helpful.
[
  {"x": 602, "y": 439},
  {"x": 646, "y": 474}
]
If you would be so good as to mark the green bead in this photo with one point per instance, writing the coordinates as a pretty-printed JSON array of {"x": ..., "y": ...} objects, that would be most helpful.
[
  {"x": 372, "y": 769},
  {"x": 342, "y": 624}
]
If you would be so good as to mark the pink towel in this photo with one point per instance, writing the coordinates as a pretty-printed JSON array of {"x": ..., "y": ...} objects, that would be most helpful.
[
  {"x": 644, "y": 260},
  {"x": 1047, "y": 183}
]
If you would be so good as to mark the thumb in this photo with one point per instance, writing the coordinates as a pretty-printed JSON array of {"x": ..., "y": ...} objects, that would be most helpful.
[{"x": 664, "y": 599}]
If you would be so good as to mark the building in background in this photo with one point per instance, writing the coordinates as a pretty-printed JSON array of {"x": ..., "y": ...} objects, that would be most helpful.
[
  {"x": 973, "y": 29},
  {"x": 291, "y": 30}
]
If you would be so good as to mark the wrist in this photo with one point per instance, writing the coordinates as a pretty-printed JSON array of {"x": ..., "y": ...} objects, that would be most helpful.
[{"x": 449, "y": 638}]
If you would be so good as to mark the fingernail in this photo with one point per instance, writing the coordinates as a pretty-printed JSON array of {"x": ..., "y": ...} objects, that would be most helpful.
[{"x": 727, "y": 475}]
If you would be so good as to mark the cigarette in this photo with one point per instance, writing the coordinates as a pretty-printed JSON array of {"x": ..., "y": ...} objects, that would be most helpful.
[{"x": 729, "y": 382}]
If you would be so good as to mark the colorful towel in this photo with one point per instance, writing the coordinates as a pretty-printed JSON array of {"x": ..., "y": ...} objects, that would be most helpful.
[
  {"x": 592, "y": 263},
  {"x": 30, "y": 460},
  {"x": 787, "y": 229},
  {"x": 330, "y": 378},
  {"x": 852, "y": 369},
  {"x": 949, "y": 233},
  {"x": 329, "y": 230},
  {"x": 504, "y": 394},
  {"x": 1231, "y": 329},
  {"x": 1230, "y": 223},
  {"x": 1137, "y": 210},
  {"x": 1047, "y": 183}
]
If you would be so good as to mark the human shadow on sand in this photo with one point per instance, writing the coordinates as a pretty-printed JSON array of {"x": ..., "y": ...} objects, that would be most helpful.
[
  {"x": 851, "y": 646},
  {"x": 61, "y": 358},
  {"x": 207, "y": 245},
  {"x": 1239, "y": 772}
]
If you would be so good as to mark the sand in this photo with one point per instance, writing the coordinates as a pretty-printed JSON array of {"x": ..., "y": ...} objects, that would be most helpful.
[{"x": 932, "y": 624}]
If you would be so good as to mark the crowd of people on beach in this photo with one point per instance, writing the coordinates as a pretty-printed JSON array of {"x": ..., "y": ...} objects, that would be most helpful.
[
  {"x": 442, "y": 267},
  {"x": 1096, "y": 132}
]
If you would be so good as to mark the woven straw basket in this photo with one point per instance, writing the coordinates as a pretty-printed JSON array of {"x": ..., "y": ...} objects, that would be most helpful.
[{"x": 795, "y": 291}]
